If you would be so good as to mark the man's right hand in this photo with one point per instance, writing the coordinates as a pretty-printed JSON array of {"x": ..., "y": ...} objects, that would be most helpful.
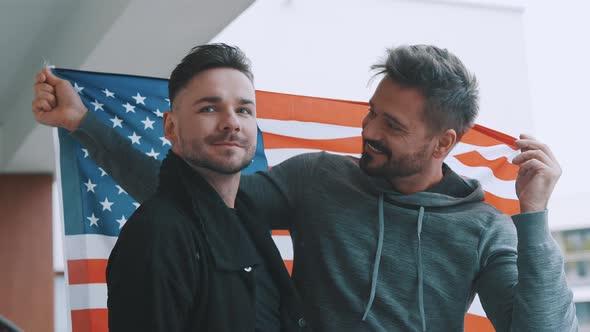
[{"x": 56, "y": 102}]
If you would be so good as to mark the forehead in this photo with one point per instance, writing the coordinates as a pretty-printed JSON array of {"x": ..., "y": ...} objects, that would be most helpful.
[
  {"x": 402, "y": 102},
  {"x": 225, "y": 83}
]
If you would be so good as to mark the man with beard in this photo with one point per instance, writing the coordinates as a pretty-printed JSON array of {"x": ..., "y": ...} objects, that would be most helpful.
[
  {"x": 194, "y": 257},
  {"x": 397, "y": 241}
]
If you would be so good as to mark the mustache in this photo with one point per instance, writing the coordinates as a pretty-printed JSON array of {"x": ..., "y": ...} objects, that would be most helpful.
[
  {"x": 378, "y": 145},
  {"x": 226, "y": 137}
]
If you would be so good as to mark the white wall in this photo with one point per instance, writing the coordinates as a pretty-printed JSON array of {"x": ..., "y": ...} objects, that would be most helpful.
[{"x": 325, "y": 48}]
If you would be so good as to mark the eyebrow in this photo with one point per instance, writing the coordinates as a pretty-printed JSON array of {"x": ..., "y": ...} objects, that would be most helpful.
[
  {"x": 391, "y": 118},
  {"x": 215, "y": 100}
]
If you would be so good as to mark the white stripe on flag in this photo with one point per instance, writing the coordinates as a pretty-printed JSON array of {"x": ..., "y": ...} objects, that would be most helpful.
[
  {"x": 88, "y": 296},
  {"x": 476, "y": 308},
  {"x": 307, "y": 130},
  {"x": 488, "y": 152},
  {"x": 93, "y": 246},
  {"x": 277, "y": 156},
  {"x": 485, "y": 176},
  {"x": 89, "y": 246}
]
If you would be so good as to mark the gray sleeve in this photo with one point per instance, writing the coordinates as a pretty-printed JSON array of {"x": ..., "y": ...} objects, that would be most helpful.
[
  {"x": 278, "y": 192},
  {"x": 522, "y": 287},
  {"x": 134, "y": 171}
]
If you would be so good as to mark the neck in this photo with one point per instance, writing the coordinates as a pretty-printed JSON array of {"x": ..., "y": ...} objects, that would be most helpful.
[
  {"x": 226, "y": 185},
  {"x": 422, "y": 181}
]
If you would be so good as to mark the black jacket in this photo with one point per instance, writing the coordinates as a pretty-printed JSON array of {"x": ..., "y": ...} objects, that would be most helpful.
[{"x": 180, "y": 265}]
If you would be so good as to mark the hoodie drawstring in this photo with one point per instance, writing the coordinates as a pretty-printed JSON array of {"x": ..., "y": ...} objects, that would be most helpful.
[
  {"x": 377, "y": 259},
  {"x": 378, "y": 255},
  {"x": 420, "y": 274}
]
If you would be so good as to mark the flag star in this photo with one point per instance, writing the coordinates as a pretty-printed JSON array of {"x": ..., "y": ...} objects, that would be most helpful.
[
  {"x": 121, "y": 221},
  {"x": 158, "y": 113},
  {"x": 121, "y": 191},
  {"x": 136, "y": 204},
  {"x": 93, "y": 220},
  {"x": 148, "y": 123},
  {"x": 85, "y": 153},
  {"x": 168, "y": 100},
  {"x": 117, "y": 122},
  {"x": 134, "y": 138},
  {"x": 139, "y": 99},
  {"x": 108, "y": 93},
  {"x": 153, "y": 153},
  {"x": 106, "y": 205},
  {"x": 78, "y": 88},
  {"x": 129, "y": 108},
  {"x": 102, "y": 172},
  {"x": 90, "y": 186},
  {"x": 165, "y": 141},
  {"x": 97, "y": 105}
]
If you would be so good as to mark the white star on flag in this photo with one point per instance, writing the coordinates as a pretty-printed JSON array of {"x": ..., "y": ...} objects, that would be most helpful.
[
  {"x": 153, "y": 153},
  {"x": 168, "y": 100},
  {"x": 90, "y": 186},
  {"x": 134, "y": 138},
  {"x": 117, "y": 122},
  {"x": 121, "y": 191},
  {"x": 129, "y": 108},
  {"x": 85, "y": 153},
  {"x": 136, "y": 204},
  {"x": 97, "y": 105},
  {"x": 148, "y": 123},
  {"x": 165, "y": 141},
  {"x": 158, "y": 113},
  {"x": 121, "y": 221},
  {"x": 78, "y": 88},
  {"x": 108, "y": 93},
  {"x": 106, "y": 205},
  {"x": 139, "y": 99},
  {"x": 102, "y": 172},
  {"x": 93, "y": 220}
]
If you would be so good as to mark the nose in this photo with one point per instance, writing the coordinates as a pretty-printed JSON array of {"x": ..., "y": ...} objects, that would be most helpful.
[
  {"x": 230, "y": 121},
  {"x": 369, "y": 130}
]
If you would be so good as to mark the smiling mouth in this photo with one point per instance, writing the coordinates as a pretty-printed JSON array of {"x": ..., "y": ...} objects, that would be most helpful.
[{"x": 374, "y": 148}]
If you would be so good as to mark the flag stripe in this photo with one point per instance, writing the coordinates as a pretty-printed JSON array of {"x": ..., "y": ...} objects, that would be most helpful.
[
  {"x": 475, "y": 323},
  {"x": 349, "y": 145},
  {"x": 87, "y": 271},
  {"x": 507, "y": 206},
  {"x": 95, "y": 320},
  {"x": 277, "y": 156},
  {"x": 281, "y": 106},
  {"x": 501, "y": 168},
  {"x": 88, "y": 296},
  {"x": 500, "y": 188},
  {"x": 308, "y": 130}
]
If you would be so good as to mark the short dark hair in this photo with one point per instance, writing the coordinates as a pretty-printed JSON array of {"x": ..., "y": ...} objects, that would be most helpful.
[
  {"x": 450, "y": 90},
  {"x": 204, "y": 57}
]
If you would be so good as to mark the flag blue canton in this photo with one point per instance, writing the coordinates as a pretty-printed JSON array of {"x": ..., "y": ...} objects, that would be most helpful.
[{"x": 133, "y": 106}]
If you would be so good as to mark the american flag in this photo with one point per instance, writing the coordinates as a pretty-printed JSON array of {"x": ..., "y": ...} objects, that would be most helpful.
[{"x": 96, "y": 208}]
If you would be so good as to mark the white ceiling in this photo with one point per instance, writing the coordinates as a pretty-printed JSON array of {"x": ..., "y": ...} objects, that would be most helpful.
[{"x": 145, "y": 37}]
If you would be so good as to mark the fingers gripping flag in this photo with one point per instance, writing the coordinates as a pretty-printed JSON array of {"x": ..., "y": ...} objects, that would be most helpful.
[{"x": 96, "y": 208}]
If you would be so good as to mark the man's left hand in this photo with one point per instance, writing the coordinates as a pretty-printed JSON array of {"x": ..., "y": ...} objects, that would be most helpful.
[{"x": 537, "y": 176}]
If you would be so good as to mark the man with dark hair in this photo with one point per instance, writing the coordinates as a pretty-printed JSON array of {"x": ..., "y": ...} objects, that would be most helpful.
[
  {"x": 194, "y": 256},
  {"x": 397, "y": 241}
]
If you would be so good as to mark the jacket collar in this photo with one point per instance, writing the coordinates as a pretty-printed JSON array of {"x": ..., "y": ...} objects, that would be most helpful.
[{"x": 228, "y": 243}]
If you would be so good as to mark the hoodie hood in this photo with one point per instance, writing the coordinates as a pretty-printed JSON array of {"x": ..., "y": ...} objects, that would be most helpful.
[{"x": 451, "y": 190}]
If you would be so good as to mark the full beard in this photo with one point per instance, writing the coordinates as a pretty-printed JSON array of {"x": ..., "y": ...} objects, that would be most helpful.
[{"x": 395, "y": 166}]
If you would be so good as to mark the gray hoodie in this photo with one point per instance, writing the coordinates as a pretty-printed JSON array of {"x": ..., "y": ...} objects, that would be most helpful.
[{"x": 369, "y": 259}]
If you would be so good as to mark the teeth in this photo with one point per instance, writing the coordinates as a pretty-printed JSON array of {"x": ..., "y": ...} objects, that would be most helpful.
[{"x": 374, "y": 148}]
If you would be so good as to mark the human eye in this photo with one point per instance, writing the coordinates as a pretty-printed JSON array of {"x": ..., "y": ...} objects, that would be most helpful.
[
  {"x": 207, "y": 109},
  {"x": 244, "y": 111}
]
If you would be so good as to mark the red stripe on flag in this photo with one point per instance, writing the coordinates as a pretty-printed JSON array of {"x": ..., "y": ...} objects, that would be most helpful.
[
  {"x": 87, "y": 271},
  {"x": 288, "y": 265},
  {"x": 501, "y": 167},
  {"x": 281, "y": 106},
  {"x": 90, "y": 320},
  {"x": 281, "y": 232},
  {"x": 507, "y": 206},
  {"x": 474, "y": 323},
  {"x": 343, "y": 145},
  {"x": 483, "y": 136}
]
